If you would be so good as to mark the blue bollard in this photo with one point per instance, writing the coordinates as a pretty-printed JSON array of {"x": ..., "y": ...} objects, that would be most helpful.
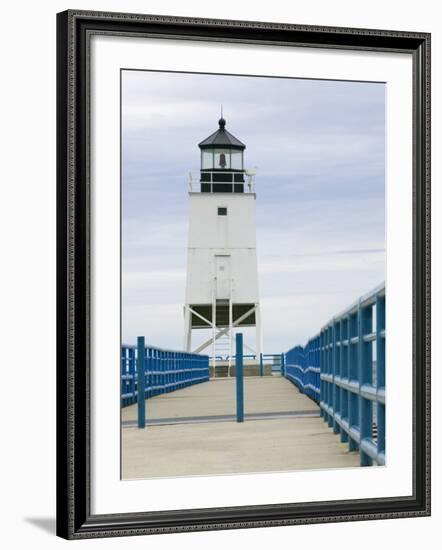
[
  {"x": 239, "y": 379},
  {"x": 261, "y": 366},
  {"x": 141, "y": 383}
]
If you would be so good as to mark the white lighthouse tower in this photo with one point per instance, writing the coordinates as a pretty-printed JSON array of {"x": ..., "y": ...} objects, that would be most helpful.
[{"x": 222, "y": 275}]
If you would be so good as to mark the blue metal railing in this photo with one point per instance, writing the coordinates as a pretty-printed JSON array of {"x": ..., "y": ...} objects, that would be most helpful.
[
  {"x": 302, "y": 368},
  {"x": 343, "y": 368},
  {"x": 165, "y": 371},
  {"x": 275, "y": 360},
  {"x": 353, "y": 376},
  {"x": 226, "y": 357}
]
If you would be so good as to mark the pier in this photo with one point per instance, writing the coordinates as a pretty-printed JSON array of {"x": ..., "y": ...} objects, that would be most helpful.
[{"x": 317, "y": 406}]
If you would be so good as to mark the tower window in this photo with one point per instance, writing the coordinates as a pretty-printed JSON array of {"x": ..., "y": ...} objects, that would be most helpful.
[{"x": 222, "y": 211}]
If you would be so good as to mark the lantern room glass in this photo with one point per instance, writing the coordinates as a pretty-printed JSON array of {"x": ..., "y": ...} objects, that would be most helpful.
[
  {"x": 222, "y": 159},
  {"x": 207, "y": 160},
  {"x": 236, "y": 159}
]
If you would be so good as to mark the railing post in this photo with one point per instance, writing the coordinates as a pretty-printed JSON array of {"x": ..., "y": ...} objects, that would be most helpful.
[
  {"x": 239, "y": 379},
  {"x": 364, "y": 377},
  {"x": 334, "y": 372},
  {"x": 154, "y": 376},
  {"x": 345, "y": 355},
  {"x": 124, "y": 379},
  {"x": 380, "y": 369},
  {"x": 175, "y": 368},
  {"x": 318, "y": 366},
  {"x": 132, "y": 375},
  {"x": 141, "y": 383},
  {"x": 282, "y": 363},
  {"x": 353, "y": 405},
  {"x": 261, "y": 366},
  {"x": 321, "y": 370},
  {"x": 149, "y": 368},
  {"x": 163, "y": 372},
  {"x": 166, "y": 368}
]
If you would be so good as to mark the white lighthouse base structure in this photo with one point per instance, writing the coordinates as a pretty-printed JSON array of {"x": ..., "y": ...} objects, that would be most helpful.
[{"x": 222, "y": 281}]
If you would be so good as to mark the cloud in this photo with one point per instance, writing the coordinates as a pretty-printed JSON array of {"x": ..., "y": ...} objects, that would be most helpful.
[{"x": 320, "y": 151}]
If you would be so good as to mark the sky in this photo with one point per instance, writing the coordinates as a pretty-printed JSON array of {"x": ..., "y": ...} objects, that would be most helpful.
[{"x": 319, "y": 151}]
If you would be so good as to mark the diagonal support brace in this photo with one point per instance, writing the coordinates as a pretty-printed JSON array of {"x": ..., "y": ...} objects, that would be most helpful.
[{"x": 224, "y": 330}]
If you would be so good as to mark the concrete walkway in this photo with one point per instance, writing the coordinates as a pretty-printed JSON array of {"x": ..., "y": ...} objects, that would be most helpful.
[
  {"x": 208, "y": 448},
  {"x": 267, "y": 394}
]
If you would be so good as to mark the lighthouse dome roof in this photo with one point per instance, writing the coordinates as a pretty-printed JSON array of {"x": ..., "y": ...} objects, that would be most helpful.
[{"x": 221, "y": 138}]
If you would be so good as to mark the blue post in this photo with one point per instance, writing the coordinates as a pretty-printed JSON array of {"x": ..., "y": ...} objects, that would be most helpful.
[
  {"x": 148, "y": 366},
  {"x": 334, "y": 372},
  {"x": 330, "y": 373},
  {"x": 239, "y": 379},
  {"x": 261, "y": 366},
  {"x": 321, "y": 370},
  {"x": 124, "y": 381},
  {"x": 132, "y": 374},
  {"x": 364, "y": 377},
  {"x": 141, "y": 383},
  {"x": 344, "y": 373},
  {"x": 380, "y": 368},
  {"x": 282, "y": 361},
  {"x": 353, "y": 405}
]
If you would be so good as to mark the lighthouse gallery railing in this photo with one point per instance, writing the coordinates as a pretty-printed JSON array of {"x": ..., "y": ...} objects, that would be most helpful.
[
  {"x": 343, "y": 369},
  {"x": 222, "y": 178}
]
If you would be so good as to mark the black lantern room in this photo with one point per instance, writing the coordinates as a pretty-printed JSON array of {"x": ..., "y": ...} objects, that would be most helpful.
[{"x": 222, "y": 162}]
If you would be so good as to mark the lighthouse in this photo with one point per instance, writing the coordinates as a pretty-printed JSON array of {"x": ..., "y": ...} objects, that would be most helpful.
[{"x": 222, "y": 275}]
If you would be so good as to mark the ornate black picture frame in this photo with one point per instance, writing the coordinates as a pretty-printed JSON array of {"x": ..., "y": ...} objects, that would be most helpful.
[{"x": 74, "y": 518}]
